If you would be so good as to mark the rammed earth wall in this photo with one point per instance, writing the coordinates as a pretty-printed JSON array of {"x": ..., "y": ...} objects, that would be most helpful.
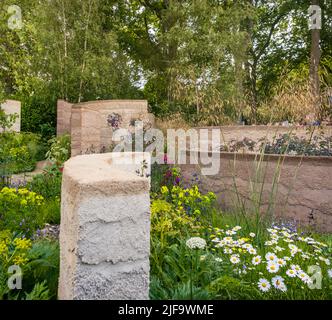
[
  {"x": 92, "y": 124},
  {"x": 297, "y": 187},
  {"x": 105, "y": 228}
]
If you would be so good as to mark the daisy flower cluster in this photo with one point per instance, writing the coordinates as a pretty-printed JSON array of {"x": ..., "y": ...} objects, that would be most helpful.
[{"x": 277, "y": 264}]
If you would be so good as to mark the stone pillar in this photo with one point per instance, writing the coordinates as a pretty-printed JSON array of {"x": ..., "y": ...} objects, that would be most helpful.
[
  {"x": 105, "y": 228},
  {"x": 63, "y": 117},
  {"x": 13, "y": 107}
]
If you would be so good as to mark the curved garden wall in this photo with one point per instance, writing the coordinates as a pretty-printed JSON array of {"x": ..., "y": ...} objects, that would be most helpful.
[{"x": 297, "y": 187}]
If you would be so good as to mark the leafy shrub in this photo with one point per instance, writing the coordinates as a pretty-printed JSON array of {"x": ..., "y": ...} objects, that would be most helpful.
[
  {"x": 50, "y": 211},
  {"x": 43, "y": 265},
  {"x": 47, "y": 184},
  {"x": 60, "y": 149},
  {"x": 39, "y": 263},
  {"x": 20, "y": 210},
  {"x": 19, "y": 152}
]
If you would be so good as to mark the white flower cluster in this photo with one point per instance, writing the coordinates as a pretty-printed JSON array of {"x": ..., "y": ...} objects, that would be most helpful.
[
  {"x": 279, "y": 262},
  {"x": 196, "y": 243}
]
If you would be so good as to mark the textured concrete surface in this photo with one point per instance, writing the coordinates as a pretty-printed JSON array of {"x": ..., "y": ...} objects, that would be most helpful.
[
  {"x": 105, "y": 228},
  {"x": 13, "y": 107},
  {"x": 299, "y": 188}
]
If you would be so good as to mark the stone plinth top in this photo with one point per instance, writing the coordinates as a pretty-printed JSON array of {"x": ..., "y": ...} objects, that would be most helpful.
[{"x": 109, "y": 172}]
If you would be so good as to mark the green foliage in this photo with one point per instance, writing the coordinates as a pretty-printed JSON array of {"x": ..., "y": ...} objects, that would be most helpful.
[
  {"x": 19, "y": 152},
  {"x": 51, "y": 211},
  {"x": 6, "y": 120},
  {"x": 47, "y": 184},
  {"x": 227, "y": 287},
  {"x": 39, "y": 263},
  {"x": 43, "y": 266},
  {"x": 60, "y": 149},
  {"x": 20, "y": 210},
  {"x": 39, "y": 292}
]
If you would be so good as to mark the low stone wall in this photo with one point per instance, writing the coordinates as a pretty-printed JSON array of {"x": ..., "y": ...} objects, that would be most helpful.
[
  {"x": 13, "y": 107},
  {"x": 300, "y": 188},
  {"x": 105, "y": 228}
]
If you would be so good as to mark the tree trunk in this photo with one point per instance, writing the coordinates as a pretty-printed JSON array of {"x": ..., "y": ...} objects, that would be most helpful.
[{"x": 314, "y": 68}]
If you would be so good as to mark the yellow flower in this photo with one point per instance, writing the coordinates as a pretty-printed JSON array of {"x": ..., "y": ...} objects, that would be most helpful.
[
  {"x": 23, "y": 191},
  {"x": 22, "y": 243},
  {"x": 20, "y": 260},
  {"x": 164, "y": 190},
  {"x": 3, "y": 247}
]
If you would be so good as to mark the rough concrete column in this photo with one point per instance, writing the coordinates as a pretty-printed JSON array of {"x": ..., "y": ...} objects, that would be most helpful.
[
  {"x": 13, "y": 107},
  {"x": 105, "y": 228}
]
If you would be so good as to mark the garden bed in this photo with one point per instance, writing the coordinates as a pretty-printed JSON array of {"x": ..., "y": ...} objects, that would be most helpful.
[{"x": 296, "y": 187}]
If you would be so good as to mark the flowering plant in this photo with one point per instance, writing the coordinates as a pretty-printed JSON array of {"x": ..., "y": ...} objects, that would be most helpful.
[
  {"x": 282, "y": 264},
  {"x": 20, "y": 210},
  {"x": 13, "y": 251},
  {"x": 189, "y": 199}
]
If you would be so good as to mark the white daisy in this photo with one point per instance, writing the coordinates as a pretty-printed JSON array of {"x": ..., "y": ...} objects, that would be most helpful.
[
  {"x": 291, "y": 273},
  {"x": 327, "y": 261},
  {"x": 329, "y": 272},
  {"x": 277, "y": 282},
  {"x": 272, "y": 267},
  {"x": 234, "y": 259},
  {"x": 252, "y": 251},
  {"x": 237, "y": 228},
  {"x": 281, "y": 262},
  {"x": 270, "y": 257},
  {"x": 304, "y": 277},
  {"x": 305, "y": 256},
  {"x": 256, "y": 260},
  {"x": 296, "y": 267},
  {"x": 252, "y": 235},
  {"x": 279, "y": 248},
  {"x": 264, "y": 285},
  {"x": 228, "y": 251},
  {"x": 292, "y": 247},
  {"x": 230, "y": 232}
]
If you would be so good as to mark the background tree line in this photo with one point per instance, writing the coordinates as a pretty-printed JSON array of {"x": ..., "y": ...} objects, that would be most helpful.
[{"x": 210, "y": 61}]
